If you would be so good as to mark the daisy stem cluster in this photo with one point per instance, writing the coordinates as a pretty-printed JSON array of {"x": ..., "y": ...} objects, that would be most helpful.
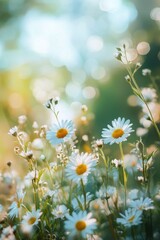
[{"x": 132, "y": 81}]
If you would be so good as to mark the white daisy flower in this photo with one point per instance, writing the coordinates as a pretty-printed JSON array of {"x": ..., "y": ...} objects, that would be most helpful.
[
  {"x": 30, "y": 220},
  {"x": 142, "y": 204},
  {"x": 60, "y": 211},
  {"x": 130, "y": 218},
  {"x": 118, "y": 132},
  {"x": 80, "y": 166},
  {"x": 61, "y": 132},
  {"x": 80, "y": 224},
  {"x": 17, "y": 204}
]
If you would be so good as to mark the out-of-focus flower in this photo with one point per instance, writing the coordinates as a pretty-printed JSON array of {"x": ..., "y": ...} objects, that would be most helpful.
[
  {"x": 80, "y": 166},
  {"x": 146, "y": 72},
  {"x": 131, "y": 217},
  {"x": 61, "y": 132},
  {"x": 30, "y": 220},
  {"x": 118, "y": 132},
  {"x": 130, "y": 162},
  {"x": 142, "y": 204},
  {"x": 13, "y": 131},
  {"x": 99, "y": 143},
  {"x": 117, "y": 162},
  {"x": 80, "y": 224},
  {"x": 7, "y": 234},
  {"x": 60, "y": 211},
  {"x": 22, "y": 119},
  {"x": 149, "y": 95}
]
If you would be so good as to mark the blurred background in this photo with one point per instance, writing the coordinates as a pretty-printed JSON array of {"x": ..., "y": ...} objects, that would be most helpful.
[{"x": 67, "y": 48}]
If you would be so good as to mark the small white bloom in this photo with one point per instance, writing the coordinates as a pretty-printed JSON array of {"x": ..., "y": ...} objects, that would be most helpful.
[
  {"x": 7, "y": 234},
  {"x": 130, "y": 218},
  {"x": 118, "y": 132},
  {"x": 117, "y": 163},
  {"x": 149, "y": 95},
  {"x": 30, "y": 220},
  {"x": 146, "y": 72},
  {"x": 22, "y": 119},
  {"x": 13, "y": 131},
  {"x": 61, "y": 132},
  {"x": 142, "y": 204},
  {"x": 30, "y": 176},
  {"x": 60, "y": 211},
  {"x": 80, "y": 166},
  {"x": 80, "y": 224}
]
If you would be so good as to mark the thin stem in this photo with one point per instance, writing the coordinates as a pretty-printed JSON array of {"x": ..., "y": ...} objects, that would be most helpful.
[
  {"x": 128, "y": 68},
  {"x": 84, "y": 194},
  {"x": 124, "y": 173},
  {"x": 132, "y": 232}
]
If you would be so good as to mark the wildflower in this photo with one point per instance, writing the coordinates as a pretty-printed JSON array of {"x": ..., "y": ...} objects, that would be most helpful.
[
  {"x": 22, "y": 119},
  {"x": 80, "y": 166},
  {"x": 130, "y": 163},
  {"x": 142, "y": 204},
  {"x": 7, "y": 234},
  {"x": 117, "y": 163},
  {"x": 84, "y": 108},
  {"x": 80, "y": 224},
  {"x": 16, "y": 205},
  {"x": 146, "y": 72},
  {"x": 149, "y": 95},
  {"x": 60, "y": 133},
  {"x": 130, "y": 218},
  {"x": 30, "y": 220},
  {"x": 99, "y": 143},
  {"x": 118, "y": 132},
  {"x": 60, "y": 211},
  {"x": 13, "y": 131}
]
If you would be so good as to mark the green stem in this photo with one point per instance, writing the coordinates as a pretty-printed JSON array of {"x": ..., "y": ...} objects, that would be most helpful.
[
  {"x": 132, "y": 232},
  {"x": 124, "y": 173},
  {"x": 84, "y": 194}
]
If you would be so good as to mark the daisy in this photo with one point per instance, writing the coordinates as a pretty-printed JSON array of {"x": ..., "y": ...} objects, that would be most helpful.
[
  {"x": 142, "y": 204},
  {"x": 130, "y": 218},
  {"x": 80, "y": 166},
  {"x": 61, "y": 132},
  {"x": 118, "y": 132},
  {"x": 60, "y": 211},
  {"x": 16, "y": 205},
  {"x": 80, "y": 224},
  {"x": 30, "y": 220}
]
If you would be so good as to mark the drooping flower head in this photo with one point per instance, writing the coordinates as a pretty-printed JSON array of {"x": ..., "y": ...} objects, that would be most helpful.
[
  {"x": 80, "y": 166},
  {"x": 61, "y": 132},
  {"x": 118, "y": 132},
  {"x": 80, "y": 224}
]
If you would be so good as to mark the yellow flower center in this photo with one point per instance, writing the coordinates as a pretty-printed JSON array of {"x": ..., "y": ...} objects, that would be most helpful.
[
  {"x": 131, "y": 219},
  {"x": 31, "y": 220},
  {"x": 61, "y": 133},
  {"x": 82, "y": 168},
  {"x": 80, "y": 225},
  {"x": 133, "y": 163},
  {"x": 117, "y": 133}
]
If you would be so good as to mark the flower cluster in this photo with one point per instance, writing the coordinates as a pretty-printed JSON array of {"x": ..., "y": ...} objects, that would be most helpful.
[{"x": 71, "y": 191}]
